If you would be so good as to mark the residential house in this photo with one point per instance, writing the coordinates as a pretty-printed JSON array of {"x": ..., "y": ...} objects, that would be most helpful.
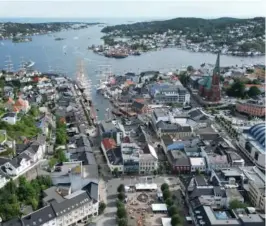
[
  {"x": 179, "y": 131},
  {"x": 17, "y": 165},
  {"x": 131, "y": 157},
  {"x": 3, "y": 178},
  {"x": 198, "y": 164},
  {"x": 76, "y": 208},
  {"x": 21, "y": 105},
  {"x": 179, "y": 161},
  {"x": 63, "y": 210},
  {"x": 108, "y": 129},
  {"x": 147, "y": 75},
  {"x": 113, "y": 154},
  {"x": 148, "y": 160},
  {"x": 166, "y": 94},
  {"x": 8, "y": 91},
  {"x": 139, "y": 107},
  {"x": 10, "y": 118}
]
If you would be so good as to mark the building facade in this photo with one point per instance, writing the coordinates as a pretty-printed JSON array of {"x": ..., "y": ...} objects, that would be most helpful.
[
  {"x": 251, "y": 107},
  {"x": 252, "y": 143}
]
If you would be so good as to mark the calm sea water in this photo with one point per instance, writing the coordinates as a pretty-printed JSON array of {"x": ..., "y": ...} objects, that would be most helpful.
[{"x": 64, "y": 55}]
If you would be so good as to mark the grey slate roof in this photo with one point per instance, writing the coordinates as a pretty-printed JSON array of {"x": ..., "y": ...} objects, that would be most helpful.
[
  {"x": 68, "y": 205},
  {"x": 16, "y": 161},
  {"x": 39, "y": 217},
  {"x": 52, "y": 195},
  {"x": 13, "y": 222},
  {"x": 200, "y": 180},
  {"x": 10, "y": 114},
  {"x": 93, "y": 190},
  {"x": 137, "y": 105}
]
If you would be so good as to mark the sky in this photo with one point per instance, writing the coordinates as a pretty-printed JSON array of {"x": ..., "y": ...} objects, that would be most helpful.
[{"x": 131, "y": 9}]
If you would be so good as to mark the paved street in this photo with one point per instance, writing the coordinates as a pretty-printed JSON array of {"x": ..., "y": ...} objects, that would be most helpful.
[{"x": 108, "y": 218}]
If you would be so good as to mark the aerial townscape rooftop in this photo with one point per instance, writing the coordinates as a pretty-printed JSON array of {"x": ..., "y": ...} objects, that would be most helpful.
[{"x": 129, "y": 144}]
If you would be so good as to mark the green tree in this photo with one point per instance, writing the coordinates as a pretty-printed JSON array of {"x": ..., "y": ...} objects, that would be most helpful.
[
  {"x": 121, "y": 213},
  {"x": 235, "y": 204},
  {"x": 176, "y": 220},
  {"x": 52, "y": 162},
  {"x": 254, "y": 91},
  {"x": 34, "y": 111},
  {"x": 122, "y": 222},
  {"x": 164, "y": 187},
  {"x": 34, "y": 203},
  {"x": 115, "y": 171},
  {"x": 102, "y": 207},
  {"x": 11, "y": 187},
  {"x": 173, "y": 210},
  {"x": 119, "y": 204},
  {"x": 237, "y": 89},
  {"x": 169, "y": 202},
  {"x": 121, "y": 188},
  {"x": 121, "y": 196},
  {"x": 61, "y": 156},
  {"x": 190, "y": 68},
  {"x": 166, "y": 194}
]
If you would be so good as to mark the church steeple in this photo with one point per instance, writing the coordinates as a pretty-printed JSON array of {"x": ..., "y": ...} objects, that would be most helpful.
[
  {"x": 215, "y": 87},
  {"x": 216, "y": 70}
]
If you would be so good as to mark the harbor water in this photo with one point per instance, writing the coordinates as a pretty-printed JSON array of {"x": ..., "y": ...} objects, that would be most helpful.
[{"x": 63, "y": 56}]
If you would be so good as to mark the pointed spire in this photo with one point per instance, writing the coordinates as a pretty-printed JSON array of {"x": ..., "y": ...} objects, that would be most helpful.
[{"x": 216, "y": 70}]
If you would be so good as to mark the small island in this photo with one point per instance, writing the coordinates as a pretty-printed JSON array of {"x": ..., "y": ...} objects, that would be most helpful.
[
  {"x": 59, "y": 39},
  {"x": 230, "y": 36},
  {"x": 9, "y": 30},
  {"x": 21, "y": 39}
]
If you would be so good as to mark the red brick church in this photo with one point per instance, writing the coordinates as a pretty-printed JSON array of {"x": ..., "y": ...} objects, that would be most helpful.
[{"x": 209, "y": 87}]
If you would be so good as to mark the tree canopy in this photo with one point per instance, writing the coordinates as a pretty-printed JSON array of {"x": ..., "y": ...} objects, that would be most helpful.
[
  {"x": 164, "y": 186},
  {"x": 13, "y": 197},
  {"x": 121, "y": 196},
  {"x": 235, "y": 204},
  {"x": 176, "y": 220},
  {"x": 237, "y": 89},
  {"x": 254, "y": 91},
  {"x": 121, "y": 188},
  {"x": 173, "y": 210},
  {"x": 121, "y": 212}
]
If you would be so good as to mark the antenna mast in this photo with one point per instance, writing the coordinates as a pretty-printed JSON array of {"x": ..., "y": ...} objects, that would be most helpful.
[{"x": 9, "y": 64}]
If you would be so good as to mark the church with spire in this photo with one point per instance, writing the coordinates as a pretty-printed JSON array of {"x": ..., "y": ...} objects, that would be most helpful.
[{"x": 209, "y": 87}]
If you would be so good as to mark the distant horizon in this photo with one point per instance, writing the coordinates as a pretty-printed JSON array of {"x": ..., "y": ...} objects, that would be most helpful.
[
  {"x": 122, "y": 9},
  {"x": 96, "y": 19}
]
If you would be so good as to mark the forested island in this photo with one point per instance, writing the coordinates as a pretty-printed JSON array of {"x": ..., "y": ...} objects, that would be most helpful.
[
  {"x": 16, "y": 30},
  {"x": 232, "y": 36}
]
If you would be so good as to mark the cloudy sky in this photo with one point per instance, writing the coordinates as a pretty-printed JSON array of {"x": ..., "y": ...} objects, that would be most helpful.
[{"x": 131, "y": 9}]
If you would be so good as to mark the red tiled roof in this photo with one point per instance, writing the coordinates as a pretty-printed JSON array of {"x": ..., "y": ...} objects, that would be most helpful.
[
  {"x": 108, "y": 143},
  {"x": 20, "y": 103},
  {"x": 10, "y": 100}
]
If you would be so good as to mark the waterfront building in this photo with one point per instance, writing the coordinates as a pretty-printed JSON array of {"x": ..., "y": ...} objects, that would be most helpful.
[
  {"x": 251, "y": 107},
  {"x": 209, "y": 87},
  {"x": 252, "y": 143},
  {"x": 169, "y": 94}
]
